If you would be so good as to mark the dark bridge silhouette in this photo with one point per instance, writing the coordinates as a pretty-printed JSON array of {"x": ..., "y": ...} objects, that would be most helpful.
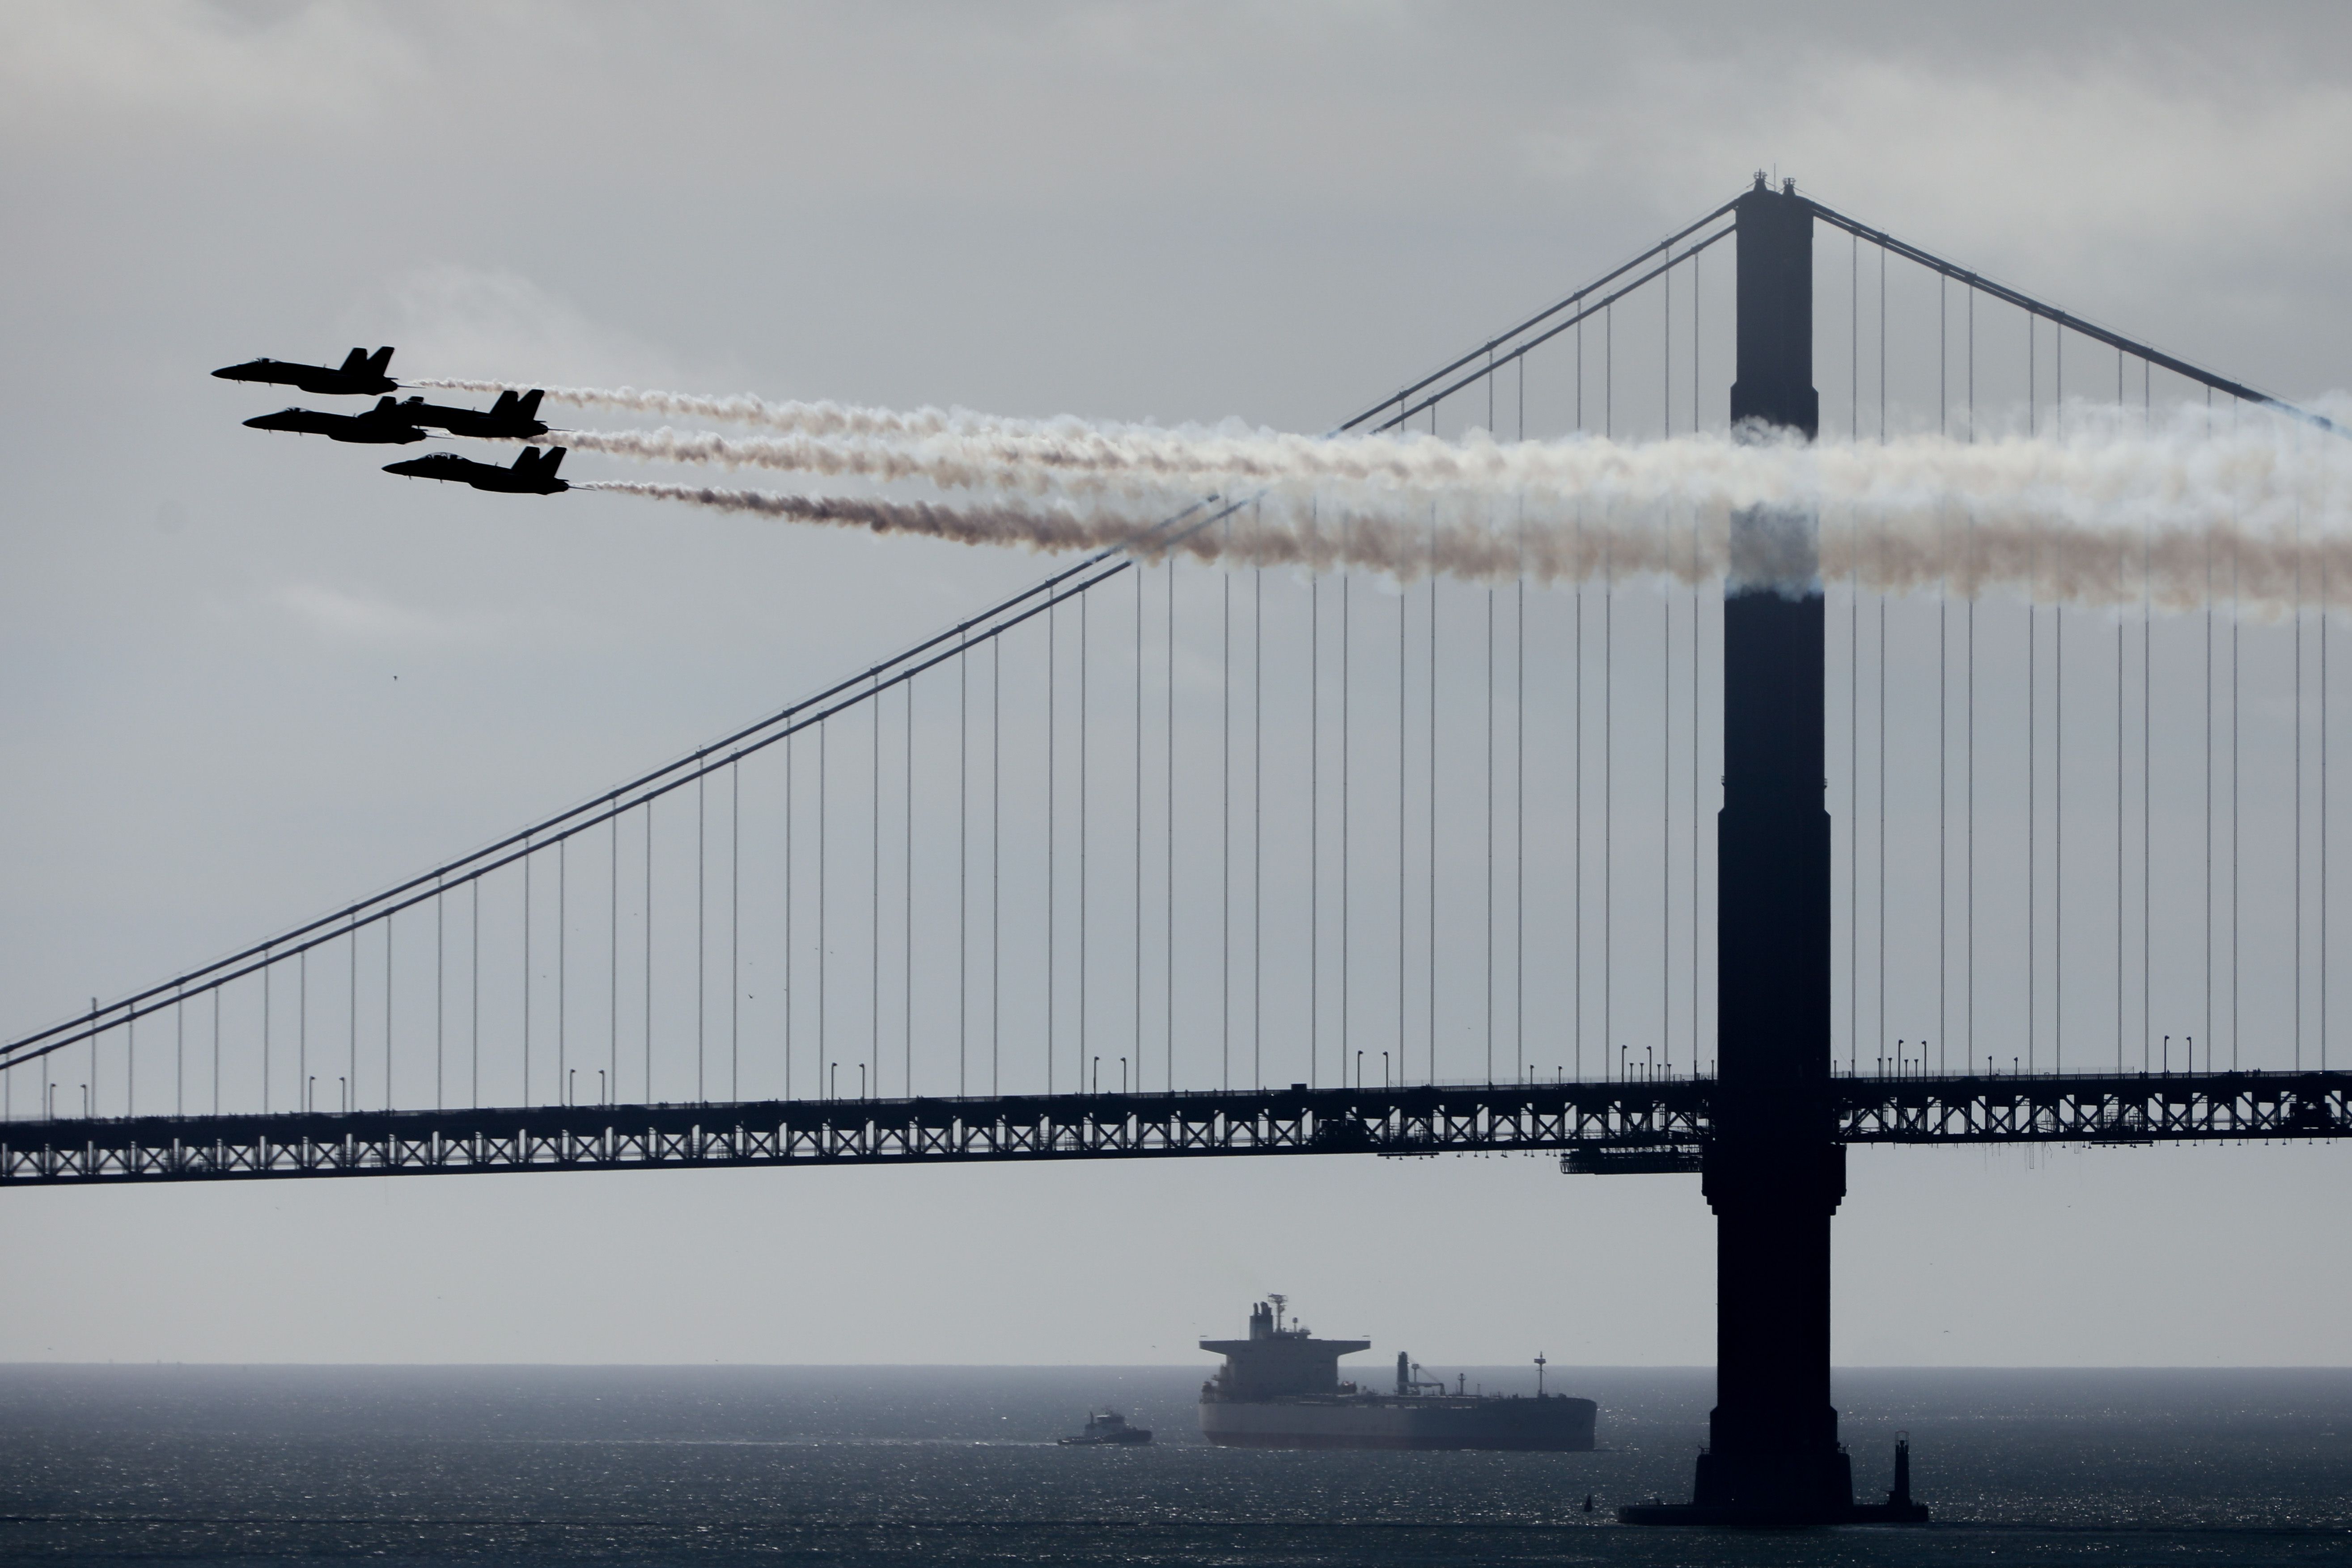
[{"x": 596, "y": 1030}]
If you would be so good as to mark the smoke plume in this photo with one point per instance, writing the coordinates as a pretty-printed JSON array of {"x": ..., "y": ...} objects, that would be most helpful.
[
  {"x": 2118, "y": 510},
  {"x": 1923, "y": 540}
]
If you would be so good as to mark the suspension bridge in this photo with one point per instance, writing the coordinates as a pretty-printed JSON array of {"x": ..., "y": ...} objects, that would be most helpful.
[{"x": 1159, "y": 860}]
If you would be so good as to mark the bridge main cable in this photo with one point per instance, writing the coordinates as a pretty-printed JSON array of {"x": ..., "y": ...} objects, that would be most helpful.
[{"x": 2073, "y": 323}]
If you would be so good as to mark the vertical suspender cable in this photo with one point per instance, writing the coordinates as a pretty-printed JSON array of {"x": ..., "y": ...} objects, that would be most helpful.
[
  {"x": 1137, "y": 973},
  {"x": 474, "y": 1030},
  {"x": 1608, "y": 799},
  {"x": 562, "y": 965},
  {"x": 1257, "y": 825},
  {"x": 907, "y": 916},
  {"x": 701, "y": 946},
  {"x": 1665, "y": 823},
  {"x": 1490, "y": 834},
  {"x": 1854, "y": 794},
  {"x": 612, "y": 960},
  {"x": 527, "y": 923},
  {"x": 2209, "y": 767},
  {"x": 1053, "y": 780},
  {"x": 1403, "y": 966},
  {"x": 2058, "y": 838},
  {"x": 823, "y": 934},
  {"x": 963, "y": 857},
  {"x": 1431, "y": 998},
  {"x": 440, "y": 1001},
  {"x": 791, "y": 992},
  {"x": 873, "y": 1079},
  {"x": 1225, "y": 829},
  {"x": 1052, "y": 784},
  {"x": 995, "y": 864},
  {"x": 387, "y": 1013},
  {"x": 1314, "y": 814},
  {"x": 1519, "y": 764},
  {"x": 1168, "y": 889},
  {"x": 1347, "y": 907},
  {"x": 1085, "y": 649}
]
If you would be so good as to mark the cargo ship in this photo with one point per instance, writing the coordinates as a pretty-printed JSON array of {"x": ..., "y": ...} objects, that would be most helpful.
[{"x": 1280, "y": 1388}]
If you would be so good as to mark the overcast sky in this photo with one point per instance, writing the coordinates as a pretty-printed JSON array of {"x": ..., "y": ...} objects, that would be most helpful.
[{"x": 243, "y": 680}]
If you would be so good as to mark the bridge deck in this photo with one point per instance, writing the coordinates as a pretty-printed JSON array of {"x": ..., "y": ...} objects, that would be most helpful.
[{"x": 1655, "y": 1124}]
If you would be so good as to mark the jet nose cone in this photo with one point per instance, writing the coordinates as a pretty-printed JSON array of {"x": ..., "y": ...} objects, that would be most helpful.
[{"x": 229, "y": 371}]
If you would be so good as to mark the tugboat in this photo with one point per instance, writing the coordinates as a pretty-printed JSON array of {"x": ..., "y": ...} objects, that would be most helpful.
[{"x": 1107, "y": 1428}]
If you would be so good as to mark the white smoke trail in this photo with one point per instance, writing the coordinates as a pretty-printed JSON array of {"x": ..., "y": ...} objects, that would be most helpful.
[
  {"x": 2112, "y": 512},
  {"x": 822, "y": 418},
  {"x": 1893, "y": 538},
  {"x": 2098, "y": 478}
]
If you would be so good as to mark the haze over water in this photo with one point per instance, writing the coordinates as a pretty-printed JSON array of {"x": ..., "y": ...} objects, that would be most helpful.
[{"x": 849, "y": 1465}]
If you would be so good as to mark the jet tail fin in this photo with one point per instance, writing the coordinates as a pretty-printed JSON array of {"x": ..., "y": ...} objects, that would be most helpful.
[
  {"x": 355, "y": 362},
  {"x": 554, "y": 461},
  {"x": 529, "y": 407},
  {"x": 378, "y": 362},
  {"x": 505, "y": 403}
]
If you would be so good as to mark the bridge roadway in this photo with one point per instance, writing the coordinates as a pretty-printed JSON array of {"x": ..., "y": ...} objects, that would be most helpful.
[{"x": 1636, "y": 1125}]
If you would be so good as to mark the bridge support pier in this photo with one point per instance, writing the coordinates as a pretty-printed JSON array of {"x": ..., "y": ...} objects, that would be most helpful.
[{"x": 1775, "y": 1172}]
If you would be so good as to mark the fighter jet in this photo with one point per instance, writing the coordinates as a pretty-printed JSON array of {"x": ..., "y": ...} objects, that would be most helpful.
[
  {"x": 509, "y": 419},
  {"x": 385, "y": 425},
  {"x": 360, "y": 376},
  {"x": 533, "y": 472}
]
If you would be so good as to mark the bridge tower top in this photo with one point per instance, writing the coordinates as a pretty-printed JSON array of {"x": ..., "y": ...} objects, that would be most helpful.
[{"x": 1775, "y": 376}]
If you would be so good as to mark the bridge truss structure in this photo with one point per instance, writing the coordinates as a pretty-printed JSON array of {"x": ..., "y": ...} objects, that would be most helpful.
[{"x": 1639, "y": 1126}]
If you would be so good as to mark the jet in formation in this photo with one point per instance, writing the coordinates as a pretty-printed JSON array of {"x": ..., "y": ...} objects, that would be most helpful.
[
  {"x": 510, "y": 418},
  {"x": 533, "y": 472},
  {"x": 385, "y": 425},
  {"x": 361, "y": 374}
]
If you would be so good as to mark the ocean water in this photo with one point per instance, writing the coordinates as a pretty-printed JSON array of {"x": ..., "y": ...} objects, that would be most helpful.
[{"x": 956, "y": 1465}]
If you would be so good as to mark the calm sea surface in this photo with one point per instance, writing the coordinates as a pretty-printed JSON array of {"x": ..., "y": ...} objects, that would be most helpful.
[{"x": 550, "y": 1465}]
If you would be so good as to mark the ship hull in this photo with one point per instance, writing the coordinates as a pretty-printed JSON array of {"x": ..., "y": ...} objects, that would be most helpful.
[{"x": 1551, "y": 1424}]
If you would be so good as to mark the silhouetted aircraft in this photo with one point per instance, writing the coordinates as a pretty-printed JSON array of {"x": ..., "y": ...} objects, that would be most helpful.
[
  {"x": 533, "y": 472},
  {"x": 385, "y": 425},
  {"x": 360, "y": 376},
  {"x": 509, "y": 419}
]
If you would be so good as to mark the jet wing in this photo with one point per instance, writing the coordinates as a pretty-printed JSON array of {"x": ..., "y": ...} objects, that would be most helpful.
[{"x": 361, "y": 374}]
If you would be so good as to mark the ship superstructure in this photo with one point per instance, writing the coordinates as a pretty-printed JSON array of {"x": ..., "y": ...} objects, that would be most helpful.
[{"x": 1280, "y": 1388}]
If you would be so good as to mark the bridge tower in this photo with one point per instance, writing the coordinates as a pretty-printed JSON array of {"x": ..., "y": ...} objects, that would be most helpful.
[{"x": 1775, "y": 1172}]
